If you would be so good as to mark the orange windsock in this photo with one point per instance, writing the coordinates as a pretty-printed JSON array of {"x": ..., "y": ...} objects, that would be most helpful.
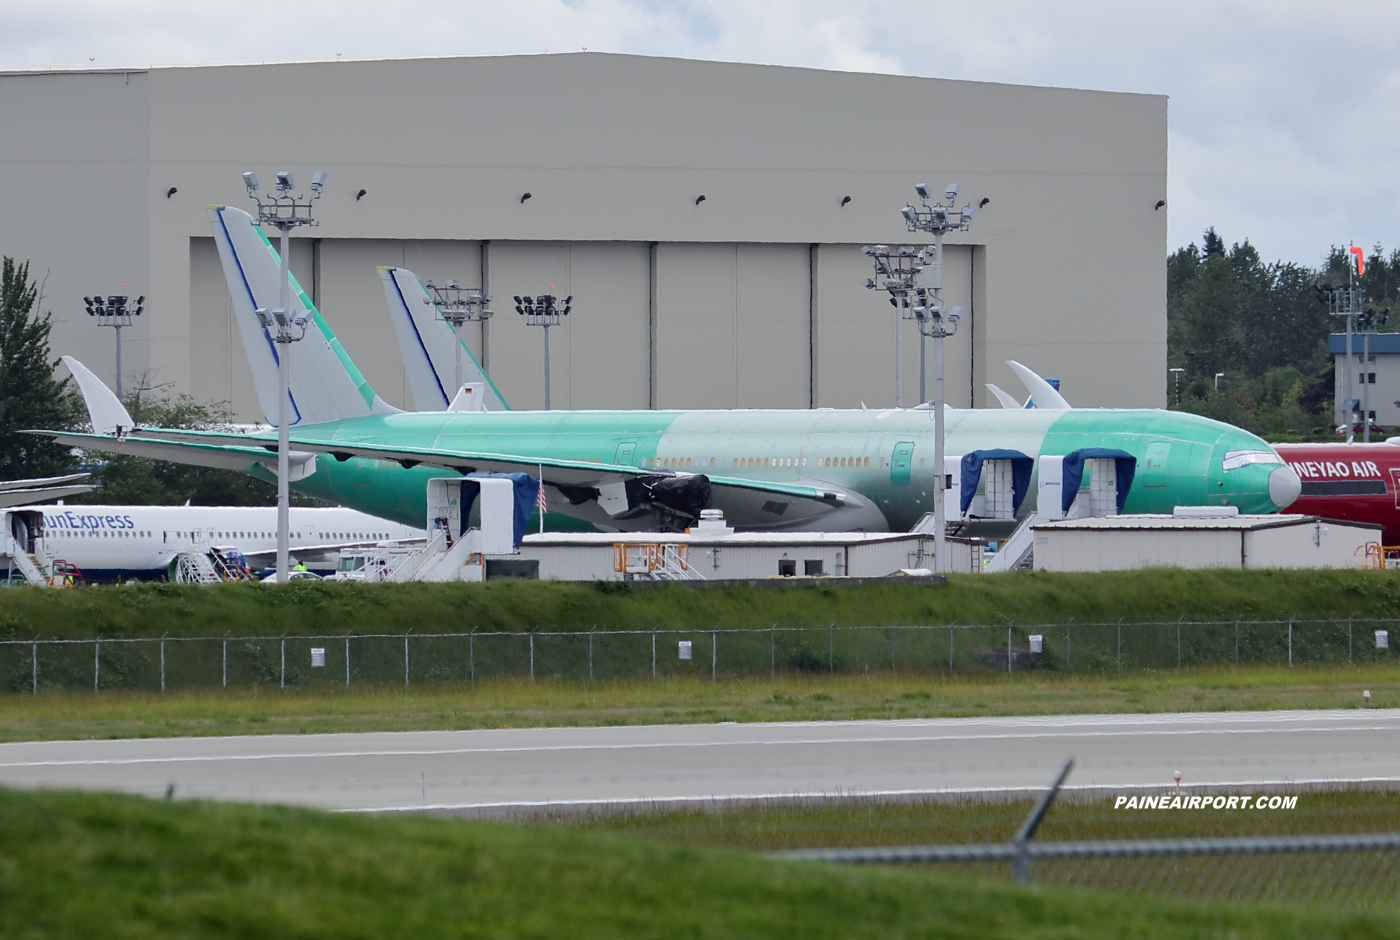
[{"x": 1360, "y": 261}]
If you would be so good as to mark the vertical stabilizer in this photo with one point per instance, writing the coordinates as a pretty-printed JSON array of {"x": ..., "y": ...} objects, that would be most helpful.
[
  {"x": 426, "y": 344},
  {"x": 325, "y": 384}
]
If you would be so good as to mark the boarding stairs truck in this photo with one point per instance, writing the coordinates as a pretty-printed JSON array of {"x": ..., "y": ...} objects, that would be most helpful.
[
  {"x": 455, "y": 552},
  {"x": 991, "y": 485},
  {"x": 25, "y": 559}
]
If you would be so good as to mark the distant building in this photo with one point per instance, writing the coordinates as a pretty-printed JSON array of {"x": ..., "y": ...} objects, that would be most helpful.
[
  {"x": 1375, "y": 384},
  {"x": 706, "y": 217}
]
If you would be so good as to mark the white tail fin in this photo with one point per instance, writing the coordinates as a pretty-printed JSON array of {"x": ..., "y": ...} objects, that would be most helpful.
[
  {"x": 325, "y": 384},
  {"x": 1042, "y": 392},
  {"x": 426, "y": 344},
  {"x": 1004, "y": 397},
  {"x": 108, "y": 414}
]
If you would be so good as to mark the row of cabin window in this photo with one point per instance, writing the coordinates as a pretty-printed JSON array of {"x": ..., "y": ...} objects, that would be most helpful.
[
  {"x": 761, "y": 462},
  {"x": 114, "y": 533}
]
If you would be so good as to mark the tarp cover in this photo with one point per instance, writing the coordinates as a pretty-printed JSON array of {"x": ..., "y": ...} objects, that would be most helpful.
[
  {"x": 526, "y": 488},
  {"x": 1073, "y": 472},
  {"x": 686, "y": 495},
  {"x": 972, "y": 473}
]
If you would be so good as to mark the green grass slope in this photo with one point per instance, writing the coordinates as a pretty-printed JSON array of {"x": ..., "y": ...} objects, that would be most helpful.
[
  {"x": 76, "y": 865},
  {"x": 1027, "y": 597}
]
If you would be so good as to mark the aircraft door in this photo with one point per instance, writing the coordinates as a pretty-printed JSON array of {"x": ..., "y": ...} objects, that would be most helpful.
[
  {"x": 625, "y": 450},
  {"x": 1395, "y": 484},
  {"x": 1154, "y": 471},
  {"x": 900, "y": 462}
]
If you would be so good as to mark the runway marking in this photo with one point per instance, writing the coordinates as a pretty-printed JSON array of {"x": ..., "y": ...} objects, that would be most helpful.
[
  {"x": 823, "y": 794},
  {"x": 659, "y": 745}
]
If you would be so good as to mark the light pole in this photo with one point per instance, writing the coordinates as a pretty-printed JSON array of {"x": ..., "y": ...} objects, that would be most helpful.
[
  {"x": 116, "y": 314},
  {"x": 1176, "y": 376},
  {"x": 1345, "y": 301},
  {"x": 285, "y": 211},
  {"x": 938, "y": 322},
  {"x": 457, "y": 305},
  {"x": 544, "y": 311}
]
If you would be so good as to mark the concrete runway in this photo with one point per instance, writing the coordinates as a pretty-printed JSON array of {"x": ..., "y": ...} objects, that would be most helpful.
[{"x": 509, "y": 770}]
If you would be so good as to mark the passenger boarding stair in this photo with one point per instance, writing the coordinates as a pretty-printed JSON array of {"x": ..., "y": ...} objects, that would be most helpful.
[
  {"x": 196, "y": 568},
  {"x": 1017, "y": 550}
]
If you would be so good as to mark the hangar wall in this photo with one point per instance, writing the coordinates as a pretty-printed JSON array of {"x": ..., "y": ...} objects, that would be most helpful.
[{"x": 751, "y": 297}]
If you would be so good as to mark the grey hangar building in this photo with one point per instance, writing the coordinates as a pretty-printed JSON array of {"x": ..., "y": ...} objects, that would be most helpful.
[{"x": 752, "y": 297}]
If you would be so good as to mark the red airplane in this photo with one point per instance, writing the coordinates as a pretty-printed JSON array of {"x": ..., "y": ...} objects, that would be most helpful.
[{"x": 1349, "y": 483}]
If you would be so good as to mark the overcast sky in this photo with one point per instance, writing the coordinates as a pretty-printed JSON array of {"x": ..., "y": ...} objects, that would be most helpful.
[{"x": 1282, "y": 123}]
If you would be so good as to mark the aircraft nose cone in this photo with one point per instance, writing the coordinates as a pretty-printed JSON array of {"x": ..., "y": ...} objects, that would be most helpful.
[{"x": 1284, "y": 486}]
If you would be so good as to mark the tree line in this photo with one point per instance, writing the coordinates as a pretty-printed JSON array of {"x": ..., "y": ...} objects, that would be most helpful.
[{"x": 1264, "y": 326}]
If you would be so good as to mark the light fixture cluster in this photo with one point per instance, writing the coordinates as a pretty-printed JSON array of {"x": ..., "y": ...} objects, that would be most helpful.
[
  {"x": 546, "y": 309},
  {"x": 114, "y": 305}
]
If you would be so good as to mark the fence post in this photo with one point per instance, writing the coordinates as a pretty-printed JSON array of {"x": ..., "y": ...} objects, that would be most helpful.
[
  {"x": 347, "y": 659},
  {"x": 162, "y": 663},
  {"x": 714, "y": 655},
  {"x": 653, "y": 655},
  {"x": 1349, "y": 638},
  {"x": 282, "y": 682},
  {"x": 1237, "y": 644},
  {"x": 1178, "y": 642},
  {"x": 471, "y": 654},
  {"x": 773, "y": 651},
  {"x": 831, "y": 647},
  {"x": 1008, "y": 646},
  {"x": 1067, "y": 646},
  {"x": 532, "y": 657},
  {"x": 1290, "y": 641},
  {"x": 405, "y": 658},
  {"x": 35, "y": 677},
  {"x": 96, "y": 652},
  {"x": 590, "y": 652},
  {"x": 225, "y": 662},
  {"x": 1120, "y": 644},
  {"x": 893, "y": 633},
  {"x": 952, "y": 628}
]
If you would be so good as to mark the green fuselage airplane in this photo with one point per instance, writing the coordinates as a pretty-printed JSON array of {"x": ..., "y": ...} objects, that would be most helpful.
[{"x": 821, "y": 469}]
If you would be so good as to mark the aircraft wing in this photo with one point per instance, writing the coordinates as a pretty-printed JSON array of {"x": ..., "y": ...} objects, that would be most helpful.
[
  {"x": 621, "y": 492},
  {"x": 223, "y": 456}
]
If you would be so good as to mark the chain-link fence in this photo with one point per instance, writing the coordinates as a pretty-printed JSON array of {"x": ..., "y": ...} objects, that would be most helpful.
[
  {"x": 183, "y": 662},
  {"x": 1355, "y": 871}
]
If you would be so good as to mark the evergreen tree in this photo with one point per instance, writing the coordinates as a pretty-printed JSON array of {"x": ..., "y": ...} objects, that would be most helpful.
[{"x": 30, "y": 396}]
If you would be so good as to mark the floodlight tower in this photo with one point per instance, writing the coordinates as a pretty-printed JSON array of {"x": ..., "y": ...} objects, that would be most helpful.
[
  {"x": 897, "y": 271},
  {"x": 284, "y": 211},
  {"x": 1345, "y": 301},
  {"x": 116, "y": 313},
  {"x": 457, "y": 305},
  {"x": 544, "y": 311},
  {"x": 937, "y": 322}
]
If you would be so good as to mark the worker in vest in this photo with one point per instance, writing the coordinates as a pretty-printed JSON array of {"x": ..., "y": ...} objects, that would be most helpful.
[{"x": 299, "y": 566}]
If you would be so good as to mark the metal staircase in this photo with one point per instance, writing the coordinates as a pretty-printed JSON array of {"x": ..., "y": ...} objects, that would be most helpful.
[
  {"x": 195, "y": 568},
  {"x": 1017, "y": 550}
]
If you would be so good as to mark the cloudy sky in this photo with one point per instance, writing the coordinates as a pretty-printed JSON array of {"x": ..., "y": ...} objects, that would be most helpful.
[{"x": 1283, "y": 122}]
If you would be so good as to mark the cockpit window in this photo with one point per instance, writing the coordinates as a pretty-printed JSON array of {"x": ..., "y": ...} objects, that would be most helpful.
[{"x": 1234, "y": 459}]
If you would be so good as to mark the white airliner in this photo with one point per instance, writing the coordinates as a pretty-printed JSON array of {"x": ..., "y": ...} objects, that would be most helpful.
[{"x": 110, "y": 542}]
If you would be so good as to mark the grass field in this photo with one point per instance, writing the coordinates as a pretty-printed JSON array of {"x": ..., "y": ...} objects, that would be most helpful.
[
  {"x": 801, "y": 697},
  {"x": 105, "y": 866},
  {"x": 1027, "y": 597}
]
